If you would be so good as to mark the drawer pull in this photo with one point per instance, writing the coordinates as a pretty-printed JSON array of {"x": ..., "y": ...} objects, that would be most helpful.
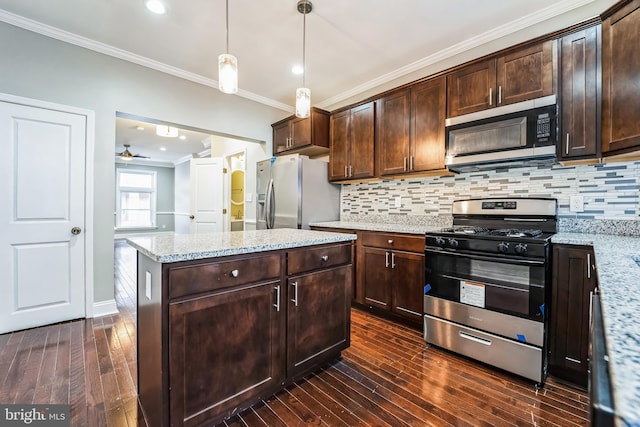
[
  {"x": 390, "y": 241},
  {"x": 474, "y": 339},
  {"x": 325, "y": 258},
  {"x": 234, "y": 273}
]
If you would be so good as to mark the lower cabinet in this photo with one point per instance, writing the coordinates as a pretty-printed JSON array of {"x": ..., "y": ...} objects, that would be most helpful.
[
  {"x": 237, "y": 329},
  {"x": 391, "y": 273},
  {"x": 574, "y": 278}
]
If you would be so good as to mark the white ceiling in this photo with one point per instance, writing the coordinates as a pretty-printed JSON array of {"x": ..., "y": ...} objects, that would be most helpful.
[{"x": 352, "y": 46}]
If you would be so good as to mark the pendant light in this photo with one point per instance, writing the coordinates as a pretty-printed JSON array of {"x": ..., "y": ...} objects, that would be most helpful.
[
  {"x": 227, "y": 66},
  {"x": 303, "y": 94}
]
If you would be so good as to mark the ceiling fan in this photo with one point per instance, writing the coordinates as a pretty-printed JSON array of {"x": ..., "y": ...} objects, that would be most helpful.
[{"x": 128, "y": 155}]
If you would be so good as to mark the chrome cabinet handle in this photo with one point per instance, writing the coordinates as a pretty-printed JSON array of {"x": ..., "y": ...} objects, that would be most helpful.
[
  {"x": 404, "y": 165},
  {"x": 346, "y": 171},
  {"x": 386, "y": 260},
  {"x": 393, "y": 260},
  {"x": 567, "y": 149},
  {"x": 490, "y": 96},
  {"x": 295, "y": 293},
  {"x": 410, "y": 163},
  {"x": 350, "y": 171},
  {"x": 325, "y": 258},
  {"x": 76, "y": 230},
  {"x": 234, "y": 273},
  {"x": 499, "y": 95},
  {"x": 277, "y": 304},
  {"x": 588, "y": 266}
]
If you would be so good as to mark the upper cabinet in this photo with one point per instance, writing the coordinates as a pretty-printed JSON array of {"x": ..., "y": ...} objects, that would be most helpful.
[
  {"x": 620, "y": 71},
  {"x": 410, "y": 129},
  {"x": 352, "y": 143},
  {"x": 579, "y": 100},
  {"x": 307, "y": 136},
  {"x": 524, "y": 74}
]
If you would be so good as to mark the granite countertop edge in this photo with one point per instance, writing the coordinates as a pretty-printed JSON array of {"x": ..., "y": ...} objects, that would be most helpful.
[
  {"x": 176, "y": 247},
  {"x": 619, "y": 283},
  {"x": 376, "y": 226}
]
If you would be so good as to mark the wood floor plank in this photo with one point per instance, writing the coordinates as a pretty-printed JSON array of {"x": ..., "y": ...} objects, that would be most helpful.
[{"x": 388, "y": 376}]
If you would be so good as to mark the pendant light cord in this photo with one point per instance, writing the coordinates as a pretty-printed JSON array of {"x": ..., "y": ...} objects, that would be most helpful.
[
  {"x": 227, "y": 23},
  {"x": 304, "y": 43}
]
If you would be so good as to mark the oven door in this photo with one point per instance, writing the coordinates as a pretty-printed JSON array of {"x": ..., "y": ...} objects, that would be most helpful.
[{"x": 508, "y": 285}]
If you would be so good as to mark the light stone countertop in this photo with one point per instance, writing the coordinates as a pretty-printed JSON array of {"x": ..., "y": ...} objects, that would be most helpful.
[
  {"x": 167, "y": 248},
  {"x": 377, "y": 226},
  {"x": 619, "y": 283}
]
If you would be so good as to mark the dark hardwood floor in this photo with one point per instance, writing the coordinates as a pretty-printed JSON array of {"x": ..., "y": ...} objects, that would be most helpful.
[{"x": 388, "y": 377}]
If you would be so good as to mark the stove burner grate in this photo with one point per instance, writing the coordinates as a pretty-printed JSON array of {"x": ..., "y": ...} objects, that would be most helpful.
[{"x": 511, "y": 232}]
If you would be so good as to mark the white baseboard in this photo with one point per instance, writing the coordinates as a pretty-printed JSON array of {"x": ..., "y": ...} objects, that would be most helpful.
[{"x": 104, "y": 308}]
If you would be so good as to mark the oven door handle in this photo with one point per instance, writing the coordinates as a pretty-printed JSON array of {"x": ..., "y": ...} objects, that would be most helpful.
[{"x": 486, "y": 258}]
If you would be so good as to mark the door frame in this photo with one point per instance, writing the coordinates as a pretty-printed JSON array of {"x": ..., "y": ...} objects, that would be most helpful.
[
  {"x": 227, "y": 184},
  {"x": 88, "y": 181}
]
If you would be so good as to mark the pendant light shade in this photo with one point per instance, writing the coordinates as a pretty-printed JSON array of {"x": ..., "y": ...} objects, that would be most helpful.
[
  {"x": 303, "y": 94},
  {"x": 227, "y": 65}
]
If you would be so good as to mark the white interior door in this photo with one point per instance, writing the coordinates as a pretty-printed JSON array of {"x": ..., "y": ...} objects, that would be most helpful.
[
  {"x": 42, "y": 187},
  {"x": 206, "y": 195}
]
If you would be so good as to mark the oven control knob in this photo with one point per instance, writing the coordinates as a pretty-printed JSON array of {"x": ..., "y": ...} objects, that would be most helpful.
[
  {"x": 441, "y": 242},
  {"x": 503, "y": 247},
  {"x": 521, "y": 248},
  {"x": 453, "y": 243}
]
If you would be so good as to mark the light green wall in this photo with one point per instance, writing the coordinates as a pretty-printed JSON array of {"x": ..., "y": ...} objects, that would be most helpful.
[{"x": 35, "y": 66}]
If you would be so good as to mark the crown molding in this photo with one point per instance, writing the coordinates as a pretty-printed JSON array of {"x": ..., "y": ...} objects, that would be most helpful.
[
  {"x": 71, "y": 38},
  {"x": 473, "y": 42}
]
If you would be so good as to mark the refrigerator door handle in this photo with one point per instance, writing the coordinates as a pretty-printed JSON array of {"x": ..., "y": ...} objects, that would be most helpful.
[{"x": 270, "y": 205}]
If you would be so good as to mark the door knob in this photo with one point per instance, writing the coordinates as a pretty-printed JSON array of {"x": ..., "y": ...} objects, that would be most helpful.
[
  {"x": 191, "y": 216},
  {"x": 76, "y": 230}
]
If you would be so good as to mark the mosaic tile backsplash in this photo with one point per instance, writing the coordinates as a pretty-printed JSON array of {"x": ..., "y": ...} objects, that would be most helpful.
[{"x": 611, "y": 193}]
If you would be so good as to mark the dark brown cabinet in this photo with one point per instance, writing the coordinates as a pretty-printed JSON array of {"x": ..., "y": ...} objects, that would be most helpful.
[
  {"x": 391, "y": 273},
  {"x": 579, "y": 101},
  {"x": 308, "y": 136},
  {"x": 352, "y": 143},
  {"x": 620, "y": 70},
  {"x": 216, "y": 335},
  {"x": 521, "y": 75},
  {"x": 574, "y": 278},
  {"x": 410, "y": 129}
]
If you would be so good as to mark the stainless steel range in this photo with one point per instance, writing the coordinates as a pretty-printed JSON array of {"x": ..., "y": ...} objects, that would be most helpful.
[{"x": 486, "y": 283}]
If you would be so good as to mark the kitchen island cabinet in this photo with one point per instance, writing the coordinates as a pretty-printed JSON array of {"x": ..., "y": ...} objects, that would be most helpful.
[{"x": 225, "y": 319}]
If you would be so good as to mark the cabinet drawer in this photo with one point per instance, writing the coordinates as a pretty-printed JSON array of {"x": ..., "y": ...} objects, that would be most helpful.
[
  {"x": 400, "y": 242},
  {"x": 308, "y": 259},
  {"x": 192, "y": 279}
]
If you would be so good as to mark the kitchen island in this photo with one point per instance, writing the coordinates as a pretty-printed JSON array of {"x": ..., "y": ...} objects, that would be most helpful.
[{"x": 225, "y": 319}]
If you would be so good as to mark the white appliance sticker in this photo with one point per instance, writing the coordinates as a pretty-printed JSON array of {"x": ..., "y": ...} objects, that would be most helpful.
[{"x": 472, "y": 293}]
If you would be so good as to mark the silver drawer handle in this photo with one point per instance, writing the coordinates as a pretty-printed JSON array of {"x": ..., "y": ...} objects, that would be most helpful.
[
  {"x": 474, "y": 339},
  {"x": 325, "y": 258},
  {"x": 295, "y": 293},
  {"x": 277, "y": 304},
  {"x": 234, "y": 273}
]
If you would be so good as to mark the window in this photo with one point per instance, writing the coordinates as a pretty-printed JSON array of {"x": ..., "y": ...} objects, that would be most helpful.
[{"x": 135, "y": 198}]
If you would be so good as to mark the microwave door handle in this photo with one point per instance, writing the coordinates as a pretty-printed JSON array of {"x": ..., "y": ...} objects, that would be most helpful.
[{"x": 486, "y": 258}]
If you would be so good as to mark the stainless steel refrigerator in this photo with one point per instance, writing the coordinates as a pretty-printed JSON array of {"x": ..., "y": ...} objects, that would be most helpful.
[{"x": 294, "y": 190}]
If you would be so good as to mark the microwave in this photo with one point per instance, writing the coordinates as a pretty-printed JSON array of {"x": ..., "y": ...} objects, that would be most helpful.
[{"x": 524, "y": 132}]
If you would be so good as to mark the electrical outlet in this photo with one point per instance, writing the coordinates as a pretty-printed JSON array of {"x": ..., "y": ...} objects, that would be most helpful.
[
  {"x": 398, "y": 202},
  {"x": 576, "y": 203}
]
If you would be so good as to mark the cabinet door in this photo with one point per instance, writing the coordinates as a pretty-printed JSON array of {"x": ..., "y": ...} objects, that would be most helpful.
[
  {"x": 573, "y": 280},
  {"x": 339, "y": 145},
  {"x": 361, "y": 152},
  {"x": 281, "y": 135},
  {"x": 526, "y": 74},
  {"x": 428, "y": 113},
  {"x": 393, "y": 120},
  {"x": 579, "y": 102},
  {"x": 375, "y": 274},
  {"x": 407, "y": 284},
  {"x": 471, "y": 88},
  {"x": 319, "y": 317},
  {"x": 620, "y": 89},
  {"x": 224, "y": 349},
  {"x": 300, "y": 132}
]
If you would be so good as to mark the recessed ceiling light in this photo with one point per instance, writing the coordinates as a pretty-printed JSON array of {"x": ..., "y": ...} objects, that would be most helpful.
[
  {"x": 156, "y": 6},
  {"x": 163, "y": 149},
  {"x": 139, "y": 127},
  {"x": 182, "y": 137},
  {"x": 297, "y": 70}
]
